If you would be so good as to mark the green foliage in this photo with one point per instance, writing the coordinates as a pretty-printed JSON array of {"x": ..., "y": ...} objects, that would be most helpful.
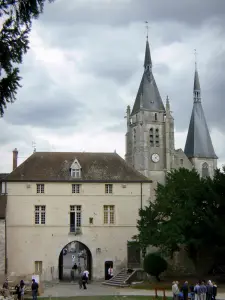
[
  {"x": 189, "y": 212},
  {"x": 14, "y": 43},
  {"x": 154, "y": 264}
]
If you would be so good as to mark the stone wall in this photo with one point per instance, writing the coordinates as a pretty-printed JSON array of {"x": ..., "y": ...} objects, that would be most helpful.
[{"x": 2, "y": 247}]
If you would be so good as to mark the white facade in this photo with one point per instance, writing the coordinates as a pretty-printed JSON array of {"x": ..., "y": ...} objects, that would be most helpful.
[
  {"x": 28, "y": 242},
  {"x": 2, "y": 247}
]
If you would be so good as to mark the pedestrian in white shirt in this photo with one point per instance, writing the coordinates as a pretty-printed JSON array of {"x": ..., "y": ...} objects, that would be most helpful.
[
  {"x": 175, "y": 290},
  {"x": 86, "y": 273},
  {"x": 110, "y": 272}
]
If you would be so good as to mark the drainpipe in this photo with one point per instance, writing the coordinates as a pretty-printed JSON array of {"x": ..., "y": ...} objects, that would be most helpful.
[
  {"x": 6, "y": 256},
  {"x": 141, "y": 197}
]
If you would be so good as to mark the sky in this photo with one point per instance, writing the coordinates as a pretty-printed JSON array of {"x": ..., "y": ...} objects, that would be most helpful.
[{"x": 85, "y": 64}]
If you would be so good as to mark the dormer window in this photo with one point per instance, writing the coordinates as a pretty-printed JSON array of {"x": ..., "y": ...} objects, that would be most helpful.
[
  {"x": 75, "y": 173},
  {"x": 75, "y": 169}
]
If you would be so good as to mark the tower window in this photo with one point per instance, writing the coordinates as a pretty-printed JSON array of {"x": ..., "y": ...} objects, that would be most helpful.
[
  {"x": 205, "y": 170},
  {"x": 151, "y": 137},
  {"x": 181, "y": 162},
  {"x": 157, "y": 137},
  {"x": 156, "y": 117}
]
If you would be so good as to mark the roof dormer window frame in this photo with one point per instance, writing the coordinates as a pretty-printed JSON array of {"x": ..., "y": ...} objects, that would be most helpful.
[
  {"x": 75, "y": 169},
  {"x": 75, "y": 173}
]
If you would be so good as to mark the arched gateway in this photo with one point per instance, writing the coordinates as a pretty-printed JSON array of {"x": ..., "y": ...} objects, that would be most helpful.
[{"x": 73, "y": 258}]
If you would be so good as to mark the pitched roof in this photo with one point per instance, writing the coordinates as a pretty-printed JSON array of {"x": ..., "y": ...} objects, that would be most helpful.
[
  {"x": 148, "y": 96},
  {"x": 3, "y": 175},
  {"x": 198, "y": 143},
  {"x": 196, "y": 82},
  {"x": 55, "y": 166}
]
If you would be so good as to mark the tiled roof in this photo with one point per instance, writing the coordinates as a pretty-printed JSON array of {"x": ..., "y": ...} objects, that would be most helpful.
[
  {"x": 3, "y": 175},
  {"x": 148, "y": 96},
  {"x": 198, "y": 143},
  {"x": 55, "y": 166}
]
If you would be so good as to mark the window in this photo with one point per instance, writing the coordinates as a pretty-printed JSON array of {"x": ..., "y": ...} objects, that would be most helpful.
[
  {"x": 156, "y": 117},
  {"x": 3, "y": 188},
  {"x": 154, "y": 137},
  {"x": 40, "y": 188},
  {"x": 38, "y": 267},
  {"x": 76, "y": 188},
  {"x": 109, "y": 214},
  {"x": 90, "y": 220},
  {"x": 134, "y": 136},
  {"x": 205, "y": 170},
  {"x": 75, "y": 217},
  {"x": 75, "y": 173},
  {"x": 151, "y": 137},
  {"x": 40, "y": 212},
  {"x": 181, "y": 161},
  {"x": 108, "y": 188}
]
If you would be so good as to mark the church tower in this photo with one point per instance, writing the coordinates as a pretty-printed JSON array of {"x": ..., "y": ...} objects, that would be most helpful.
[
  {"x": 199, "y": 148},
  {"x": 150, "y": 131}
]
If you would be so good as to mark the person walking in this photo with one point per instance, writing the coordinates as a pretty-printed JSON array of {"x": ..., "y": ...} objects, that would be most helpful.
[
  {"x": 175, "y": 290},
  {"x": 197, "y": 291},
  {"x": 110, "y": 272},
  {"x": 34, "y": 289},
  {"x": 86, "y": 273},
  {"x": 84, "y": 281},
  {"x": 214, "y": 294},
  {"x": 209, "y": 290},
  {"x": 22, "y": 289},
  {"x": 184, "y": 290}
]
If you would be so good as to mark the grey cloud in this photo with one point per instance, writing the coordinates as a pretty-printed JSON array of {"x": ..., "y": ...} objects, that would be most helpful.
[
  {"x": 120, "y": 13},
  {"x": 120, "y": 127},
  {"x": 41, "y": 103},
  {"x": 13, "y": 134},
  {"x": 214, "y": 93}
]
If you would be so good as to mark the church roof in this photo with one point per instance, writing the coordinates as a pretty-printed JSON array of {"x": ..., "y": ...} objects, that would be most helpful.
[
  {"x": 196, "y": 82},
  {"x": 148, "y": 97},
  {"x": 198, "y": 143},
  {"x": 95, "y": 167}
]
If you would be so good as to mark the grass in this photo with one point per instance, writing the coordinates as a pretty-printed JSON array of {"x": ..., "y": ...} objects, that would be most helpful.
[
  {"x": 102, "y": 298},
  {"x": 151, "y": 286}
]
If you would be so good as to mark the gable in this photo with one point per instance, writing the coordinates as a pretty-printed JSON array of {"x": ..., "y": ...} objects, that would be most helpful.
[{"x": 75, "y": 165}]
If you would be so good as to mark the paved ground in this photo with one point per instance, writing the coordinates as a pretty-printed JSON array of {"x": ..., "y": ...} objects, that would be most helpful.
[
  {"x": 97, "y": 289},
  {"x": 93, "y": 289}
]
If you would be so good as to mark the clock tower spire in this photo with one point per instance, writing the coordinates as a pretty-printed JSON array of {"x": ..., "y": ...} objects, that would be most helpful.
[{"x": 146, "y": 143}]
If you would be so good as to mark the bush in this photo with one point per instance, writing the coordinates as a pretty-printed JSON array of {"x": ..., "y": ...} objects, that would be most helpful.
[{"x": 154, "y": 265}]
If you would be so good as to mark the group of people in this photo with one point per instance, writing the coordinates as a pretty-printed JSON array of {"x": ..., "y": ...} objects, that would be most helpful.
[
  {"x": 20, "y": 290},
  {"x": 200, "y": 291}
]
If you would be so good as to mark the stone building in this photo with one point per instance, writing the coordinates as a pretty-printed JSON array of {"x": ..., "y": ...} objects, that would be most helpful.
[
  {"x": 150, "y": 146},
  {"x": 66, "y": 208}
]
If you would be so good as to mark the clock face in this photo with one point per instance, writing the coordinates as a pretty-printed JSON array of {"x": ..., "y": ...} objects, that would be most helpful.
[{"x": 155, "y": 157}]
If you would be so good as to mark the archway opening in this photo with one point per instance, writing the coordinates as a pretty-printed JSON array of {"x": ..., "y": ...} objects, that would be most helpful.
[{"x": 74, "y": 258}]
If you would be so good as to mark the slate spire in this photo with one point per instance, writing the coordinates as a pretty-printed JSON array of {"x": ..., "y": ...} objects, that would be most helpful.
[
  {"x": 148, "y": 97},
  {"x": 198, "y": 143}
]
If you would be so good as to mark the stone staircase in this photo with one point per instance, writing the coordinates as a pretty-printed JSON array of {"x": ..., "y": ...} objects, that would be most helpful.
[{"x": 120, "y": 279}]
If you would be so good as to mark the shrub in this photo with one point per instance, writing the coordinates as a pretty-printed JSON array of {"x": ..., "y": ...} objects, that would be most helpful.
[{"x": 154, "y": 265}]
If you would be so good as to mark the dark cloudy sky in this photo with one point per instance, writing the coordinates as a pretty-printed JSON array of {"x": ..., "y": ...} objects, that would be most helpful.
[{"x": 85, "y": 65}]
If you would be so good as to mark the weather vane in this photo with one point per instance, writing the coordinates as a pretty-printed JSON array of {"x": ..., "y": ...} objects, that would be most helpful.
[
  {"x": 195, "y": 53},
  {"x": 147, "y": 28}
]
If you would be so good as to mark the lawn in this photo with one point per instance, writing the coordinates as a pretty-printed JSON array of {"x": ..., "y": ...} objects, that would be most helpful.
[{"x": 103, "y": 298}]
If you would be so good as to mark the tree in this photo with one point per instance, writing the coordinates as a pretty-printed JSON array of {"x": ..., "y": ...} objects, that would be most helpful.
[
  {"x": 189, "y": 212},
  {"x": 14, "y": 43},
  {"x": 154, "y": 265}
]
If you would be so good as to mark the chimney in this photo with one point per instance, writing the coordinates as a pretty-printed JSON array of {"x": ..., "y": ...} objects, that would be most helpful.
[{"x": 15, "y": 158}]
